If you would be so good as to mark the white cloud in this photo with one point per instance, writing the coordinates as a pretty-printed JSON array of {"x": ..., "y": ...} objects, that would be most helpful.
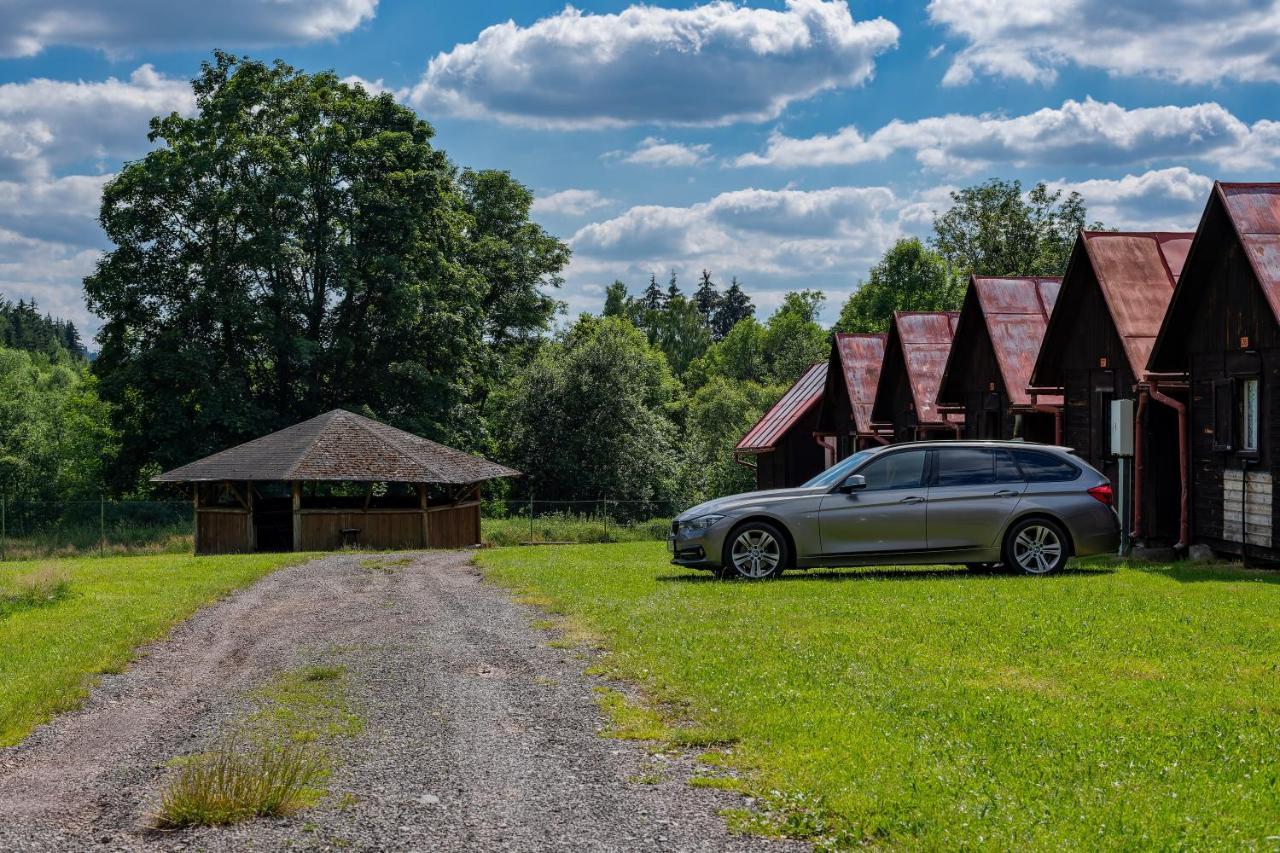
[
  {"x": 1162, "y": 200},
  {"x": 570, "y": 202},
  {"x": 1187, "y": 41},
  {"x": 712, "y": 64},
  {"x": 54, "y": 209},
  {"x": 1084, "y": 132},
  {"x": 46, "y": 125},
  {"x": 655, "y": 151},
  {"x": 376, "y": 87},
  {"x": 29, "y": 26},
  {"x": 49, "y": 272}
]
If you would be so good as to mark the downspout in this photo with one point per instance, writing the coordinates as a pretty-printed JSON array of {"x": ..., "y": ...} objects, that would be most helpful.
[
  {"x": 1138, "y": 461},
  {"x": 1184, "y": 522},
  {"x": 828, "y": 450}
]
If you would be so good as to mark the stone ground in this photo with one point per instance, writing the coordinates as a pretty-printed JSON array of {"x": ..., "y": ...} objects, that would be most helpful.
[{"x": 478, "y": 736}]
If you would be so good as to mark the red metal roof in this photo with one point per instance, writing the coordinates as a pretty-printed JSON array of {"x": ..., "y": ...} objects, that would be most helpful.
[
  {"x": 800, "y": 398},
  {"x": 1137, "y": 271},
  {"x": 1016, "y": 312},
  {"x": 1254, "y": 210},
  {"x": 925, "y": 338},
  {"x": 860, "y": 358}
]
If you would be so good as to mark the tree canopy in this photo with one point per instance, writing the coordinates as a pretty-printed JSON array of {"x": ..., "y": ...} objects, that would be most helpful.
[
  {"x": 910, "y": 277},
  {"x": 296, "y": 245}
]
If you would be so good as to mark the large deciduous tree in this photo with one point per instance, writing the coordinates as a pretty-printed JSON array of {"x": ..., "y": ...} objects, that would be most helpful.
[
  {"x": 298, "y": 244},
  {"x": 909, "y": 277}
]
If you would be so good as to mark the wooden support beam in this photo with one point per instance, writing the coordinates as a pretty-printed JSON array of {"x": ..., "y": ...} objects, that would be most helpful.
[
  {"x": 253, "y": 529},
  {"x": 195, "y": 518},
  {"x": 296, "y": 489},
  {"x": 426, "y": 517}
]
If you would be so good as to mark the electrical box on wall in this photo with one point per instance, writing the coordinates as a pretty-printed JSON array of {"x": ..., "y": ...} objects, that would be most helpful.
[{"x": 1122, "y": 427}]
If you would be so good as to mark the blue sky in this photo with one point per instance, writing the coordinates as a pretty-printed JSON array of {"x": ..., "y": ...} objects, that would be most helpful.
[{"x": 787, "y": 142}]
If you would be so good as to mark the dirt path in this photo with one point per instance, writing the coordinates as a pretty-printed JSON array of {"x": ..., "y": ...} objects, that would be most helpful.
[{"x": 478, "y": 735}]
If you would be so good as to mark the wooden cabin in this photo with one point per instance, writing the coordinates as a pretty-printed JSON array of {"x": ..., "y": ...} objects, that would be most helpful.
[
  {"x": 989, "y": 366},
  {"x": 915, "y": 354},
  {"x": 782, "y": 446},
  {"x": 1222, "y": 332},
  {"x": 1108, "y": 311},
  {"x": 336, "y": 480},
  {"x": 853, "y": 371}
]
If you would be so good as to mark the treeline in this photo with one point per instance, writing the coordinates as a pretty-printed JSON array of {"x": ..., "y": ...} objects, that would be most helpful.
[
  {"x": 23, "y": 327},
  {"x": 267, "y": 268}
]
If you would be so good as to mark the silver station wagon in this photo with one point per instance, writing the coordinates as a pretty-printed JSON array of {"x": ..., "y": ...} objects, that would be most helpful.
[{"x": 975, "y": 503}]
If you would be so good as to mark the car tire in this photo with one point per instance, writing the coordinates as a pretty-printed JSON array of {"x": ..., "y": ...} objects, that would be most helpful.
[
  {"x": 1036, "y": 546},
  {"x": 755, "y": 551}
]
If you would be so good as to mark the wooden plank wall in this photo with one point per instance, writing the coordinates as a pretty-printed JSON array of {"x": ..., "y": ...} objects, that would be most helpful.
[
  {"x": 387, "y": 529},
  {"x": 1246, "y": 507},
  {"x": 454, "y": 526},
  {"x": 224, "y": 531}
]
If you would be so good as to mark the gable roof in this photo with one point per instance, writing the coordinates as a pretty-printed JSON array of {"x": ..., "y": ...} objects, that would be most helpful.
[
  {"x": 1015, "y": 312},
  {"x": 340, "y": 446},
  {"x": 1253, "y": 213},
  {"x": 861, "y": 356},
  {"x": 1136, "y": 272},
  {"x": 782, "y": 415},
  {"x": 924, "y": 339}
]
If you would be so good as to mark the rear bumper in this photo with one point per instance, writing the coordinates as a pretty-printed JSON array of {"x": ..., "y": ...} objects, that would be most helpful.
[{"x": 1095, "y": 532}]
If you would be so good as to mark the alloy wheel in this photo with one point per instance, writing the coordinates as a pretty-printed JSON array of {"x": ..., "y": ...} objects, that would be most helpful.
[
  {"x": 755, "y": 554},
  {"x": 1037, "y": 549}
]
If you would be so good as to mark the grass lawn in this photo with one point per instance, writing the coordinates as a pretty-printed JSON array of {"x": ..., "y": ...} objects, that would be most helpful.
[
  {"x": 62, "y": 622},
  {"x": 1113, "y": 707}
]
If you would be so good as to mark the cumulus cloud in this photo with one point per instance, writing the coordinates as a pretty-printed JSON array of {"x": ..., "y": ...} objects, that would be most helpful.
[
  {"x": 54, "y": 209},
  {"x": 49, "y": 272},
  {"x": 376, "y": 87},
  {"x": 1161, "y": 200},
  {"x": 1085, "y": 133},
  {"x": 654, "y": 151},
  {"x": 1187, "y": 41},
  {"x": 46, "y": 125},
  {"x": 570, "y": 202},
  {"x": 29, "y": 26},
  {"x": 712, "y": 64}
]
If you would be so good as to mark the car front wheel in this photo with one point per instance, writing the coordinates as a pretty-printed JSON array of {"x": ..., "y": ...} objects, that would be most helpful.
[
  {"x": 756, "y": 551},
  {"x": 1037, "y": 546}
]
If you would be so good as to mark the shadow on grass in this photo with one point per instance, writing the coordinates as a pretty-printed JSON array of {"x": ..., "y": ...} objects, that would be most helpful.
[{"x": 890, "y": 574}]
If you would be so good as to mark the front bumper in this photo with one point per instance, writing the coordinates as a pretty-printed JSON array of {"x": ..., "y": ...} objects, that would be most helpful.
[{"x": 697, "y": 549}]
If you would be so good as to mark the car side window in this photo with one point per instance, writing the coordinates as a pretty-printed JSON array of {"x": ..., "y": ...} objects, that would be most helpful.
[
  {"x": 966, "y": 466},
  {"x": 1040, "y": 467},
  {"x": 903, "y": 470},
  {"x": 1006, "y": 469}
]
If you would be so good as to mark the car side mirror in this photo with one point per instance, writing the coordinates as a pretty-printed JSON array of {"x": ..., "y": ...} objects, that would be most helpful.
[{"x": 853, "y": 483}]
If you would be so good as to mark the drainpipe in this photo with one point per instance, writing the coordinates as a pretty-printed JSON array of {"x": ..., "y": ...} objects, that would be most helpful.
[
  {"x": 1138, "y": 461},
  {"x": 828, "y": 450},
  {"x": 1184, "y": 522}
]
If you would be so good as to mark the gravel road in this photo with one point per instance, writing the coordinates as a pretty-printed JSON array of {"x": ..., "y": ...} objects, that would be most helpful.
[{"x": 479, "y": 736}]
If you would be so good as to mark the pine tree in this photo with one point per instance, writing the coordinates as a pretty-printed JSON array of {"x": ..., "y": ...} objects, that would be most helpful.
[
  {"x": 673, "y": 289},
  {"x": 735, "y": 306},
  {"x": 616, "y": 300},
  {"x": 707, "y": 298},
  {"x": 652, "y": 299}
]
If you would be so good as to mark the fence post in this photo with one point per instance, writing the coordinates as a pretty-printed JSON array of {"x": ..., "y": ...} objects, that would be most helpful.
[
  {"x": 606, "y": 518},
  {"x": 531, "y": 517},
  {"x": 4, "y": 532},
  {"x": 102, "y": 524}
]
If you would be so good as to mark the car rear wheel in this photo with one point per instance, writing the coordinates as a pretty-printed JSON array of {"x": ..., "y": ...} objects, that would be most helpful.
[
  {"x": 1037, "y": 546},
  {"x": 755, "y": 551}
]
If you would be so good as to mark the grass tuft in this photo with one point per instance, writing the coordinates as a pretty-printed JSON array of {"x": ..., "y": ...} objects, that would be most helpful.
[
  {"x": 233, "y": 784},
  {"x": 44, "y": 584}
]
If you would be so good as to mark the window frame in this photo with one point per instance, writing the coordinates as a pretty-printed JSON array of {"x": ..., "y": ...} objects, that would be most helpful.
[
  {"x": 1224, "y": 414},
  {"x": 1242, "y": 416},
  {"x": 926, "y": 471}
]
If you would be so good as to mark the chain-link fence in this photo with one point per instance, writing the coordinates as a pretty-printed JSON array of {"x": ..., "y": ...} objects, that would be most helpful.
[{"x": 30, "y": 530}]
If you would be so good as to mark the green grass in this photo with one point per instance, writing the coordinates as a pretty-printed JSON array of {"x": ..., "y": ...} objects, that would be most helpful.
[
  {"x": 1110, "y": 707},
  {"x": 570, "y": 527},
  {"x": 51, "y": 651}
]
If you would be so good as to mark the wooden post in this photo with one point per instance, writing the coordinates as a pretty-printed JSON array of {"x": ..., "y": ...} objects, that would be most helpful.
[
  {"x": 253, "y": 528},
  {"x": 426, "y": 516},
  {"x": 195, "y": 520},
  {"x": 297, "y": 517}
]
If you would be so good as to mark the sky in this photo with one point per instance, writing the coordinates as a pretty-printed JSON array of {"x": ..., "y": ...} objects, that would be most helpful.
[{"x": 784, "y": 142}]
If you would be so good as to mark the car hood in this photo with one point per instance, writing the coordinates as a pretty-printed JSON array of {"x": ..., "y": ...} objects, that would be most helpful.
[{"x": 746, "y": 501}]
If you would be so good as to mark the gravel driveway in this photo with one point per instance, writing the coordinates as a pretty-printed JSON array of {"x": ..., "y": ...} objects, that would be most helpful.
[{"x": 479, "y": 736}]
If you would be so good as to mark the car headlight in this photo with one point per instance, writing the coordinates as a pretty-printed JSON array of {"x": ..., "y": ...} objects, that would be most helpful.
[{"x": 701, "y": 522}]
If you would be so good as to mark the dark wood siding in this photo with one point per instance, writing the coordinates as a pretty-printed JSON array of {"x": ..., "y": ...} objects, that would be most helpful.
[{"x": 796, "y": 456}]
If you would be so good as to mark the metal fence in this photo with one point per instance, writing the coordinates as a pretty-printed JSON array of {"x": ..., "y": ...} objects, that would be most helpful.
[{"x": 30, "y": 530}]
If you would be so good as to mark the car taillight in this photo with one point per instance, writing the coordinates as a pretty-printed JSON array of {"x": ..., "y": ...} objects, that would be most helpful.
[{"x": 1102, "y": 493}]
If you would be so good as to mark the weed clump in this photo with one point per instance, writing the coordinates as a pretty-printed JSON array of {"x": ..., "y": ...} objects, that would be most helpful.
[
  {"x": 44, "y": 584},
  {"x": 232, "y": 784}
]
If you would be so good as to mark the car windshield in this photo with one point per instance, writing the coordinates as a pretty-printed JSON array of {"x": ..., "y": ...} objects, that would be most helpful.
[{"x": 838, "y": 471}]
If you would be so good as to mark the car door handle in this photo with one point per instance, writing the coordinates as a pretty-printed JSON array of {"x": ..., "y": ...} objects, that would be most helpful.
[
  {"x": 1006, "y": 493},
  {"x": 912, "y": 500}
]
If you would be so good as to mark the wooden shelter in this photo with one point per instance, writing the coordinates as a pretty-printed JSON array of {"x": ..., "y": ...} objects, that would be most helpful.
[
  {"x": 853, "y": 372},
  {"x": 989, "y": 365},
  {"x": 1222, "y": 331},
  {"x": 1109, "y": 308},
  {"x": 337, "y": 479},
  {"x": 915, "y": 354},
  {"x": 781, "y": 447}
]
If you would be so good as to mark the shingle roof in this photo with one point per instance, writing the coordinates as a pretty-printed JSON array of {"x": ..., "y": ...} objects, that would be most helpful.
[
  {"x": 340, "y": 446},
  {"x": 799, "y": 399},
  {"x": 860, "y": 358},
  {"x": 1137, "y": 272}
]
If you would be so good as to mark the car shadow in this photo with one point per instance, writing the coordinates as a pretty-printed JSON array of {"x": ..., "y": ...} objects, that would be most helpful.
[{"x": 884, "y": 574}]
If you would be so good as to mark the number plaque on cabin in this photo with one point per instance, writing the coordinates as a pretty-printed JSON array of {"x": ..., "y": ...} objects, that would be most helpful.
[{"x": 1244, "y": 342}]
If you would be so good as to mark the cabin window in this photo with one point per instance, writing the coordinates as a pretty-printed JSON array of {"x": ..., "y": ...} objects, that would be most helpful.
[{"x": 1249, "y": 415}]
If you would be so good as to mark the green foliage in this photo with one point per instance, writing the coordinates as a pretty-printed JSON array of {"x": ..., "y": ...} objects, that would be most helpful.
[
  {"x": 717, "y": 416},
  {"x": 931, "y": 708},
  {"x": 298, "y": 244},
  {"x": 993, "y": 229},
  {"x": 55, "y": 435},
  {"x": 775, "y": 353},
  {"x": 588, "y": 418},
  {"x": 909, "y": 277},
  {"x": 22, "y": 327}
]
